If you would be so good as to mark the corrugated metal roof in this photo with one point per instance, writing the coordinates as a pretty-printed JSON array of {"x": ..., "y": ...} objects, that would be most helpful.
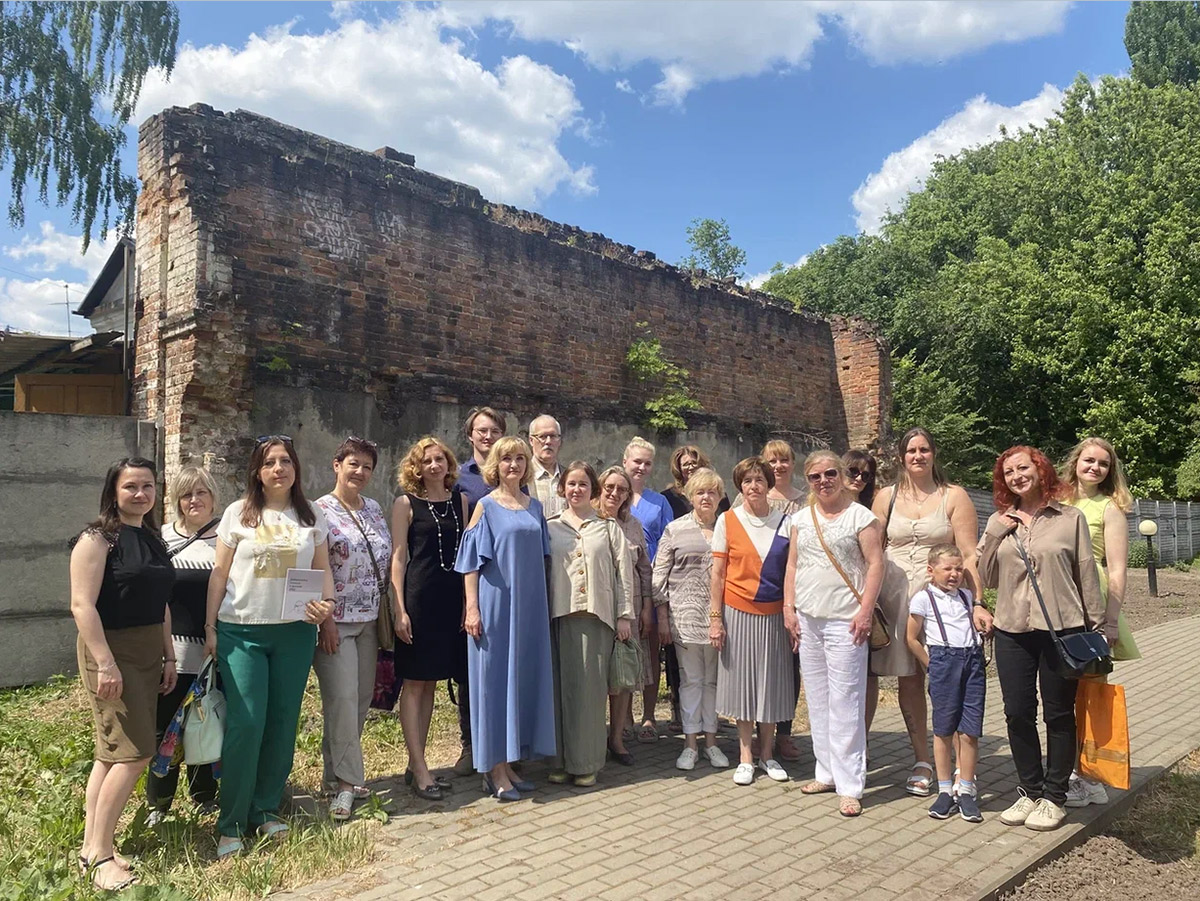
[{"x": 18, "y": 350}]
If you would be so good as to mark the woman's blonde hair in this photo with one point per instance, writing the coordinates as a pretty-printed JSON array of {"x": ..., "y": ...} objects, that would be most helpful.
[
  {"x": 777, "y": 447},
  {"x": 509, "y": 445},
  {"x": 703, "y": 478},
  {"x": 187, "y": 479},
  {"x": 623, "y": 510},
  {"x": 408, "y": 471},
  {"x": 814, "y": 458},
  {"x": 1114, "y": 484},
  {"x": 638, "y": 441}
]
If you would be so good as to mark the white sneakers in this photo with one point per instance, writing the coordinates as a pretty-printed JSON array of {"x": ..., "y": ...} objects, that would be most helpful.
[
  {"x": 1046, "y": 816},
  {"x": 1019, "y": 812},
  {"x": 744, "y": 774},
  {"x": 1081, "y": 793},
  {"x": 688, "y": 756},
  {"x": 687, "y": 759},
  {"x": 773, "y": 769}
]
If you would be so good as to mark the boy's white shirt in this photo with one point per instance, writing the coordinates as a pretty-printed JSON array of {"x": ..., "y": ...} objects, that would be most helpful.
[{"x": 955, "y": 616}]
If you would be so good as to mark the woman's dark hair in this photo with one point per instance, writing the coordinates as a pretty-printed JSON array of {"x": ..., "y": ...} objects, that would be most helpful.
[
  {"x": 360, "y": 446},
  {"x": 749, "y": 465},
  {"x": 255, "y": 495},
  {"x": 862, "y": 460},
  {"x": 109, "y": 521},
  {"x": 902, "y": 479},
  {"x": 579, "y": 466}
]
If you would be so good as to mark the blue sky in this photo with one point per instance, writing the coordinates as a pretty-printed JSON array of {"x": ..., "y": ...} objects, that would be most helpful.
[{"x": 796, "y": 122}]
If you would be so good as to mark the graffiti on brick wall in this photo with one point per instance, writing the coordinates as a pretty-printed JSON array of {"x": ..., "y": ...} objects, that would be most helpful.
[{"x": 329, "y": 226}]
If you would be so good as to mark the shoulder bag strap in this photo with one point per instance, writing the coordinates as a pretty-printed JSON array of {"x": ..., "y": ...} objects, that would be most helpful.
[
  {"x": 370, "y": 550},
  {"x": 1038, "y": 591},
  {"x": 832, "y": 559},
  {"x": 200, "y": 531},
  {"x": 891, "y": 506}
]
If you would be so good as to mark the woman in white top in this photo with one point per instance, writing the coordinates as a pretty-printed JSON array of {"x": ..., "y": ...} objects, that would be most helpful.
[
  {"x": 835, "y": 568},
  {"x": 264, "y": 648},
  {"x": 348, "y": 642}
]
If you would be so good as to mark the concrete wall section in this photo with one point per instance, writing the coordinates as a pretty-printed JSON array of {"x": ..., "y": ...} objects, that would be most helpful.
[{"x": 53, "y": 471}]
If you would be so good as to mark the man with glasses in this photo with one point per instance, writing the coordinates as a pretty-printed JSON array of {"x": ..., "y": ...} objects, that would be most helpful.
[
  {"x": 545, "y": 434},
  {"x": 483, "y": 428}
]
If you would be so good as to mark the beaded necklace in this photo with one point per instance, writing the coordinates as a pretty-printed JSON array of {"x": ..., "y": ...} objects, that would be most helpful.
[{"x": 438, "y": 518}]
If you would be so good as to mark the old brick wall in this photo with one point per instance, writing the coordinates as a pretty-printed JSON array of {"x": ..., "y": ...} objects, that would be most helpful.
[{"x": 271, "y": 257}]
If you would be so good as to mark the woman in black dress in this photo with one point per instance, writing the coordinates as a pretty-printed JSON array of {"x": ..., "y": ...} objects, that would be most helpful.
[{"x": 428, "y": 520}]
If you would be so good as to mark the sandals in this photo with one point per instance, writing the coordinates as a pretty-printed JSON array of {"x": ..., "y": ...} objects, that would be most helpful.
[
  {"x": 93, "y": 867},
  {"x": 920, "y": 785},
  {"x": 229, "y": 845},
  {"x": 276, "y": 829},
  {"x": 849, "y": 807},
  {"x": 648, "y": 733},
  {"x": 817, "y": 788},
  {"x": 341, "y": 806}
]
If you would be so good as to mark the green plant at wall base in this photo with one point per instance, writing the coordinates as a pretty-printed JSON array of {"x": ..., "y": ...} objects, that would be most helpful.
[
  {"x": 1138, "y": 555},
  {"x": 646, "y": 361}
]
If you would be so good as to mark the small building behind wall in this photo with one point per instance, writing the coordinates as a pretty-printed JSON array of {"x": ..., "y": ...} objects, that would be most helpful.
[{"x": 292, "y": 284}]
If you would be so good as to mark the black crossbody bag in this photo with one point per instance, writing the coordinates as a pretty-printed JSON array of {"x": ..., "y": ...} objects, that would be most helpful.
[{"x": 1079, "y": 653}]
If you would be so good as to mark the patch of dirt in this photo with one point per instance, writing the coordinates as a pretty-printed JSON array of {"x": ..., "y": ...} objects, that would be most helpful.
[
  {"x": 1104, "y": 868},
  {"x": 1178, "y": 596}
]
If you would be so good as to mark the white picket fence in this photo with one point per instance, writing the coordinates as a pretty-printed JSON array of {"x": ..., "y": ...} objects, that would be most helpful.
[{"x": 1178, "y": 535}]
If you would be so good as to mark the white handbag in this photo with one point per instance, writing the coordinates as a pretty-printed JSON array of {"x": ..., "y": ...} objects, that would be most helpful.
[{"x": 204, "y": 728}]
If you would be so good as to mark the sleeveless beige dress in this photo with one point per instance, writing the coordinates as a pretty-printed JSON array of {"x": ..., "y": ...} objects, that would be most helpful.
[{"x": 906, "y": 573}]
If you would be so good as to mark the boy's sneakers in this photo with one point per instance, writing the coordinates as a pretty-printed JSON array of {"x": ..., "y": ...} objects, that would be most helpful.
[
  {"x": 1046, "y": 817},
  {"x": 968, "y": 808},
  {"x": 1019, "y": 812},
  {"x": 944, "y": 807},
  {"x": 1081, "y": 793}
]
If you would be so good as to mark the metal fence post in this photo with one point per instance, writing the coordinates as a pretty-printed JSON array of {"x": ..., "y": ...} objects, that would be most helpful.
[
  {"x": 1158, "y": 535},
  {"x": 1175, "y": 527}
]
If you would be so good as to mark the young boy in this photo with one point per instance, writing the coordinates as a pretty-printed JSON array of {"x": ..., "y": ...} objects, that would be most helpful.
[{"x": 953, "y": 655}]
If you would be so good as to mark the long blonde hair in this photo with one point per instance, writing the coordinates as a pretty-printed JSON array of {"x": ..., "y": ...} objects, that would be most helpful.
[{"x": 1114, "y": 484}]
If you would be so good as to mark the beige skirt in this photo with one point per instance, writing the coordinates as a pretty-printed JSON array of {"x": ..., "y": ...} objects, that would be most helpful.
[
  {"x": 896, "y": 659},
  {"x": 125, "y": 725}
]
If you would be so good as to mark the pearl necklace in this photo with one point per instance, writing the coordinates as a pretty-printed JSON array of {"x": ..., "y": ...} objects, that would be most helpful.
[{"x": 438, "y": 519}]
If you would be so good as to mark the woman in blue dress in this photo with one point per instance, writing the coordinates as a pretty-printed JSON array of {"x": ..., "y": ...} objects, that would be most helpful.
[{"x": 503, "y": 558}]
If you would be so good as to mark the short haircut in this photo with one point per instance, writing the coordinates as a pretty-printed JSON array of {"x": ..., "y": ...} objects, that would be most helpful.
[
  {"x": 623, "y": 510},
  {"x": 557, "y": 424},
  {"x": 509, "y": 445},
  {"x": 476, "y": 412},
  {"x": 638, "y": 441},
  {"x": 688, "y": 450},
  {"x": 777, "y": 447},
  {"x": 187, "y": 480},
  {"x": 355, "y": 445},
  {"x": 408, "y": 473},
  {"x": 703, "y": 478},
  {"x": 941, "y": 551},
  {"x": 749, "y": 465},
  {"x": 578, "y": 466}
]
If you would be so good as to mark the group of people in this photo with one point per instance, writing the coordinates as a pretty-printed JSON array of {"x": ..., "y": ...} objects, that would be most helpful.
[{"x": 532, "y": 583}]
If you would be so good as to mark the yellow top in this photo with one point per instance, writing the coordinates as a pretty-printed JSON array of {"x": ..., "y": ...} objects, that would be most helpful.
[{"x": 1093, "y": 509}]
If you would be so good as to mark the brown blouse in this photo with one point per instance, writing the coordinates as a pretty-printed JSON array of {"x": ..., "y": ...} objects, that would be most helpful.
[{"x": 1060, "y": 549}]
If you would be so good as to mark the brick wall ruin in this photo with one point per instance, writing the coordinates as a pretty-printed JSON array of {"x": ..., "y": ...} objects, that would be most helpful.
[{"x": 288, "y": 281}]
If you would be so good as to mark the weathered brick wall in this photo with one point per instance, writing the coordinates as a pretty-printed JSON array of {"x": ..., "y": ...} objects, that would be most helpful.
[{"x": 273, "y": 257}]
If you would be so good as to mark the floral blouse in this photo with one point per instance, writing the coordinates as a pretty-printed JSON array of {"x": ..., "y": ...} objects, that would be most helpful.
[{"x": 354, "y": 580}]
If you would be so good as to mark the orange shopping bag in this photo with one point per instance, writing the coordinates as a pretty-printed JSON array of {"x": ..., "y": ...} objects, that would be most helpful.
[{"x": 1103, "y": 730}]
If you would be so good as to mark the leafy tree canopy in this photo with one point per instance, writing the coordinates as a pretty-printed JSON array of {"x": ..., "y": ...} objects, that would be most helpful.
[
  {"x": 70, "y": 75},
  {"x": 1044, "y": 286},
  {"x": 1163, "y": 41},
  {"x": 713, "y": 250}
]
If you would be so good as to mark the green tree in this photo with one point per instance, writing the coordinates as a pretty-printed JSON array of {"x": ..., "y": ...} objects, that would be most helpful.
[
  {"x": 71, "y": 74},
  {"x": 713, "y": 250},
  {"x": 1043, "y": 286},
  {"x": 1163, "y": 41}
]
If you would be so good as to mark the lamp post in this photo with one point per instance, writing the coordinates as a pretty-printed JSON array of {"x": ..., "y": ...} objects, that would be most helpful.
[{"x": 1149, "y": 528}]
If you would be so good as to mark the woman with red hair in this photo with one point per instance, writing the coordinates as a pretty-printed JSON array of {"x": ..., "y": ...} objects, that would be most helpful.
[{"x": 1030, "y": 515}]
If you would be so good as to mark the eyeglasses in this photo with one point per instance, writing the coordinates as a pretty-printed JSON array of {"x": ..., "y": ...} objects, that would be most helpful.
[
  {"x": 827, "y": 475},
  {"x": 615, "y": 489},
  {"x": 371, "y": 444},
  {"x": 546, "y": 439},
  {"x": 855, "y": 473},
  {"x": 267, "y": 439},
  {"x": 488, "y": 433}
]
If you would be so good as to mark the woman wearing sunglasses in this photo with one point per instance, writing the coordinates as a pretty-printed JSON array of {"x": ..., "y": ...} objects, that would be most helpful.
[
  {"x": 921, "y": 510},
  {"x": 348, "y": 642},
  {"x": 834, "y": 570},
  {"x": 263, "y": 651}
]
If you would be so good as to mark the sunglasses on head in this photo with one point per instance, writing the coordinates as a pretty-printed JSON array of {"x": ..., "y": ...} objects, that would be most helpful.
[
  {"x": 357, "y": 440},
  {"x": 267, "y": 439},
  {"x": 828, "y": 474}
]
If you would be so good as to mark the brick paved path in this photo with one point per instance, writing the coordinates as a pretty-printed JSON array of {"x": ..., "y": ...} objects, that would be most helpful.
[{"x": 652, "y": 832}]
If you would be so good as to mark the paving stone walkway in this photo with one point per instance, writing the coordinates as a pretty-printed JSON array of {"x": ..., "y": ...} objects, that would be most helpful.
[{"x": 651, "y": 832}]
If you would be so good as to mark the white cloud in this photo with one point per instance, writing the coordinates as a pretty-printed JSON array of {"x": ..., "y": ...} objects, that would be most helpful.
[
  {"x": 39, "y": 306},
  {"x": 757, "y": 281},
  {"x": 624, "y": 86},
  {"x": 978, "y": 122},
  {"x": 403, "y": 82},
  {"x": 694, "y": 43},
  {"x": 52, "y": 249}
]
